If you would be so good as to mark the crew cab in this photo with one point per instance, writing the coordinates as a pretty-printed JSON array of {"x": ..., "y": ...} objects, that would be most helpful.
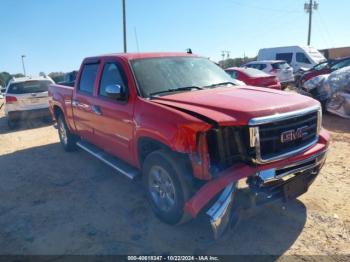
[{"x": 178, "y": 121}]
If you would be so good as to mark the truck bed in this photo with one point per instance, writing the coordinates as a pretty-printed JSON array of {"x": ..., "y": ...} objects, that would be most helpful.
[{"x": 61, "y": 96}]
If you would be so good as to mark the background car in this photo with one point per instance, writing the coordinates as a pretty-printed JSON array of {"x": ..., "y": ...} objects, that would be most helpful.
[
  {"x": 27, "y": 97},
  {"x": 279, "y": 68},
  {"x": 324, "y": 68},
  {"x": 254, "y": 77},
  {"x": 332, "y": 90},
  {"x": 296, "y": 56}
]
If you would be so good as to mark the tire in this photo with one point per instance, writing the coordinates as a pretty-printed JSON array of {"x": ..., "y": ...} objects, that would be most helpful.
[
  {"x": 166, "y": 186},
  {"x": 12, "y": 124},
  {"x": 67, "y": 139}
]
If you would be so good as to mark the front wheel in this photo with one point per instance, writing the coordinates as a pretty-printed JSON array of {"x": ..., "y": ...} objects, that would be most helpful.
[
  {"x": 166, "y": 186},
  {"x": 67, "y": 139}
]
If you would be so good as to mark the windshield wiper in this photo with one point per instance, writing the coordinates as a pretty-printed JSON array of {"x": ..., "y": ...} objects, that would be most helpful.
[
  {"x": 185, "y": 88},
  {"x": 221, "y": 84}
]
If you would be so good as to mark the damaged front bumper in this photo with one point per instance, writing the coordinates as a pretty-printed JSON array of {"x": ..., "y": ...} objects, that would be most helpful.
[
  {"x": 220, "y": 212},
  {"x": 284, "y": 180}
]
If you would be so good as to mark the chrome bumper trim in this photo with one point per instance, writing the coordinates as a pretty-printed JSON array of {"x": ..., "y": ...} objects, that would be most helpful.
[
  {"x": 269, "y": 175},
  {"x": 220, "y": 211},
  {"x": 278, "y": 117}
]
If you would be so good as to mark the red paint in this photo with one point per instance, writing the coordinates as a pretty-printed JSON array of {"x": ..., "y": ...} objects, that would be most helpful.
[
  {"x": 165, "y": 119},
  {"x": 264, "y": 80},
  {"x": 313, "y": 73},
  {"x": 10, "y": 99}
]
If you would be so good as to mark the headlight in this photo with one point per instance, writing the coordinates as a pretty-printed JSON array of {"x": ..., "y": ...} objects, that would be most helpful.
[{"x": 319, "y": 120}]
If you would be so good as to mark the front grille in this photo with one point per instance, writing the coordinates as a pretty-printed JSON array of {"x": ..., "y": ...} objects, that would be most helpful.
[{"x": 271, "y": 144}]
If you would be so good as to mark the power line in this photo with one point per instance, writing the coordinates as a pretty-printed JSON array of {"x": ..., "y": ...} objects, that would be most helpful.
[
  {"x": 124, "y": 27},
  {"x": 309, "y": 7}
]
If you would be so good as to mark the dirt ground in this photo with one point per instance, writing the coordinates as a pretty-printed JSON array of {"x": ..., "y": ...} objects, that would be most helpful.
[{"x": 52, "y": 202}]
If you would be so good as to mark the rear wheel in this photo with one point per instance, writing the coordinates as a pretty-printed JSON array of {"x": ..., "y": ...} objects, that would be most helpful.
[
  {"x": 167, "y": 189},
  {"x": 11, "y": 123},
  {"x": 67, "y": 139}
]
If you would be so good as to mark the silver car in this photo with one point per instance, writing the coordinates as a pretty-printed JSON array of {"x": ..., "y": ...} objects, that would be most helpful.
[{"x": 27, "y": 97}]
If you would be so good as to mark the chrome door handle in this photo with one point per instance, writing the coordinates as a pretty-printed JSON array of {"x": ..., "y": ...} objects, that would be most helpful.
[
  {"x": 75, "y": 102},
  {"x": 97, "y": 110}
]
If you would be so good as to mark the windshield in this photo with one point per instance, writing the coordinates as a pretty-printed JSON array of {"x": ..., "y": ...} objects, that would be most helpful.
[
  {"x": 321, "y": 66},
  {"x": 155, "y": 75},
  {"x": 29, "y": 87}
]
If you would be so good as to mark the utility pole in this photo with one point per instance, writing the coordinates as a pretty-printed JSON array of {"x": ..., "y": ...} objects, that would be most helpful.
[
  {"x": 24, "y": 68},
  {"x": 124, "y": 27},
  {"x": 309, "y": 7}
]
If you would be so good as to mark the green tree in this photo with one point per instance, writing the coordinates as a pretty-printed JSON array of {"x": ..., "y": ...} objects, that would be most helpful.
[
  {"x": 57, "y": 76},
  {"x": 5, "y": 77},
  {"x": 235, "y": 62}
]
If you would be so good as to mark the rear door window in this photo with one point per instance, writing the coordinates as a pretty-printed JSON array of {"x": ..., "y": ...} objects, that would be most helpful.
[
  {"x": 285, "y": 57},
  {"x": 280, "y": 65},
  {"x": 29, "y": 87},
  {"x": 88, "y": 78},
  {"x": 301, "y": 58},
  {"x": 233, "y": 74}
]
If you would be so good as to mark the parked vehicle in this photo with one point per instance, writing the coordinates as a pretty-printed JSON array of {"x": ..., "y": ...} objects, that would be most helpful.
[
  {"x": 254, "y": 77},
  {"x": 332, "y": 90},
  {"x": 277, "y": 68},
  {"x": 177, "y": 120},
  {"x": 296, "y": 56},
  {"x": 324, "y": 68},
  {"x": 27, "y": 97},
  {"x": 339, "y": 83}
]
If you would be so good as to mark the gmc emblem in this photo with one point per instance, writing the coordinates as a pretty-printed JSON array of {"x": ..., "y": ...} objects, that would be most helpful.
[{"x": 293, "y": 134}]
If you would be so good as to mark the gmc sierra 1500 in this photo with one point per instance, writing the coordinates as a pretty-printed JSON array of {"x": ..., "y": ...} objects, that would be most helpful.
[{"x": 178, "y": 121}]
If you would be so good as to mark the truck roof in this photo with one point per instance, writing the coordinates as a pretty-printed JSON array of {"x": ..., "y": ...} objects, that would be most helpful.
[{"x": 132, "y": 56}]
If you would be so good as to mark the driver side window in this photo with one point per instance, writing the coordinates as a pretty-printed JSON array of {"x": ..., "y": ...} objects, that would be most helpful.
[{"x": 111, "y": 75}]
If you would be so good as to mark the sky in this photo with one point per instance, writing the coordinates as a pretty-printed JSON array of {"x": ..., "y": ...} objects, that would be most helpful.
[{"x": 55, "y": 35}]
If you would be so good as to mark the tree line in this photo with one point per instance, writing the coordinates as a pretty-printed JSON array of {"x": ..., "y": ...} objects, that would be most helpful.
[{"x": 5, "y": 77}]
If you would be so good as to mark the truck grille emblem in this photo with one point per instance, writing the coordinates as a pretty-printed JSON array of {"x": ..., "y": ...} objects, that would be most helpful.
[{"x": 294, "y": 134}]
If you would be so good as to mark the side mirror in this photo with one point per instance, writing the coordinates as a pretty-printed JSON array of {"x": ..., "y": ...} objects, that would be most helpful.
[{"x": 115, "y": 92}]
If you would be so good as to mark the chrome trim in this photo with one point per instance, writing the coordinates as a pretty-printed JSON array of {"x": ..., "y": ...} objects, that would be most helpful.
[
  {"x": 283, "y": 116},
  {"x": 294, "y": 152},
  {"x": 220, "y": 211},
  {"x": 255, "y": 137},
  {"x": 319, "y": 120},
  {"x": 269, "y": 175},
  {"x": 100, "y": 157}
]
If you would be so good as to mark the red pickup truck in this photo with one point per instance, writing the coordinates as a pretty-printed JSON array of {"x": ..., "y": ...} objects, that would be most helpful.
[{"x": 178, "y": 121}]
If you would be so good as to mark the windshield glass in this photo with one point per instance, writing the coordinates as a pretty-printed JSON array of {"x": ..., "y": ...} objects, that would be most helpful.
[
  {"x": 321, "y": 66},
  {"x": 280, "y": 65},
  {"x": 29, "y": 87},
  {"x": 155, "y": 75}
]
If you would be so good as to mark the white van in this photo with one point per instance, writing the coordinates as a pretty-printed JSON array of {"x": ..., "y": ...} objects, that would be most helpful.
[{"x": 296, "y": 56}]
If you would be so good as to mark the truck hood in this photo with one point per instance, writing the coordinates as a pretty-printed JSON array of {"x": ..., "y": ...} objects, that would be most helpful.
[{"x": 235, "y": 105}]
